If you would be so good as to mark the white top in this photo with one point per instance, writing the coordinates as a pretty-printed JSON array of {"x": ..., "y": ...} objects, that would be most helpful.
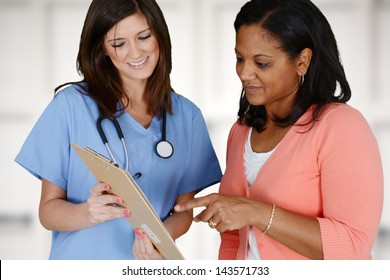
[{"x": 253, "y": 162}]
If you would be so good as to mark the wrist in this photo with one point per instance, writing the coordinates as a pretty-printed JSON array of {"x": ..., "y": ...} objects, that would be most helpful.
[
  {"x": 270, "y": 220},
  {"x": 262, "y": 220}
]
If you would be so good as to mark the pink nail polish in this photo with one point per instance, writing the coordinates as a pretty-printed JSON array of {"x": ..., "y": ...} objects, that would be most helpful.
[
  {"x": 126, "y": 213},
  {"x": 137, "y": 232},
  {"x": 106, "y": 187},
  {"x": 118, "y": 200}
]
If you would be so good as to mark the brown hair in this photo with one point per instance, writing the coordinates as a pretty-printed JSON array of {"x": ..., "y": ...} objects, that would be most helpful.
[{"x": 101, "y": 78}]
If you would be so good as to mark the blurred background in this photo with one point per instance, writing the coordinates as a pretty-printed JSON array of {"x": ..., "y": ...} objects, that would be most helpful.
[{"x": 39, "y": 43}]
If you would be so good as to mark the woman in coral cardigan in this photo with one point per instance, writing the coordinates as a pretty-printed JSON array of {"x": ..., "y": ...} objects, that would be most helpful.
[{"x": 304, "y": 177}]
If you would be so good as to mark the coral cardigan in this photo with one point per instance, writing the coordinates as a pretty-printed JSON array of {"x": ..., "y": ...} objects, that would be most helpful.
[{"x": 332, "y": 172}]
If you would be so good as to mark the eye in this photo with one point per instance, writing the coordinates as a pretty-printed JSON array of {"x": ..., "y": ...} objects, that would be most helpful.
[
  {"x": 262, "y": 64},
  {"x": 117, "y": 44},
  {"x": 144, "y": 37},
  {"x": 239, "y": 59}
]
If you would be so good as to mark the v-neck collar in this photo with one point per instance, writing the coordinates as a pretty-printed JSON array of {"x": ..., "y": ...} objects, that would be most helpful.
[{"x": 278, "y": 149}]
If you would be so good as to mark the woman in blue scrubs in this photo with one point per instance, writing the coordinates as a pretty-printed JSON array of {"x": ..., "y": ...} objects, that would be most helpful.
[{"x": 125, "y": 61}]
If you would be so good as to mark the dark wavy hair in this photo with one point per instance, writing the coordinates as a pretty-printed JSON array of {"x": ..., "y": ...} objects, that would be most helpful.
[
  {"x": 102, "y": 79},
  {"x": 297, "y": 24}
]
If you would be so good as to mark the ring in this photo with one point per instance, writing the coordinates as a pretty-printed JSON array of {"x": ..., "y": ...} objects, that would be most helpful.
[{"x": 212, "y": 224}]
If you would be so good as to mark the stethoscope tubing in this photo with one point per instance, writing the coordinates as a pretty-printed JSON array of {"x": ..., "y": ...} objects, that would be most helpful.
[
  {"x": 163, "y": 148},
  {"x": 120, "y": 135}
]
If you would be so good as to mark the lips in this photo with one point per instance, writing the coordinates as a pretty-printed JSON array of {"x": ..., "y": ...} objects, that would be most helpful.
[
  {"x": 138, "y": 64},
  {"x": 251, "y": 89}
]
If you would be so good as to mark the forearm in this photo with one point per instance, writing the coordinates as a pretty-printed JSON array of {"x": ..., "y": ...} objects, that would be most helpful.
[
  {"x": 297, "y": 232},
  {"x": 61, "y": 215},
  {"x": 178, "y": 223}
]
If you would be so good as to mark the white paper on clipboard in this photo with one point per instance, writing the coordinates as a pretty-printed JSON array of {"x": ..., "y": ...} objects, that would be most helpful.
[{"x": 123, "y": 185}]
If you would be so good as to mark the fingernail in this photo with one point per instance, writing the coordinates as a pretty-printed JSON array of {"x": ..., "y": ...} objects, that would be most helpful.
[
  {"x": 139, "y": 234},
  {"x": 118, "y": 200},
  {"x": 126, "y": 213},
  {"x": 177, "y": 208},
  {"x": 106, "y": 187}
]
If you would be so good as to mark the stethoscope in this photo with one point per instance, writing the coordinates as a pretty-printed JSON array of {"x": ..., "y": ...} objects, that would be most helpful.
[{"x": 163, "y": 148}]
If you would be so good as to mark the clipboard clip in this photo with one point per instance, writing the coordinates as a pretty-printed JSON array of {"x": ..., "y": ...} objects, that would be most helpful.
[
  {"x": 102, "y": 156},
  {"x": 135, "y": 176}
]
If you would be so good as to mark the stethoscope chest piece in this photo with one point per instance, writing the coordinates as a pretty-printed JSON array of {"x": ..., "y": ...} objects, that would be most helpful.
[{"x": 164, "y": 149}]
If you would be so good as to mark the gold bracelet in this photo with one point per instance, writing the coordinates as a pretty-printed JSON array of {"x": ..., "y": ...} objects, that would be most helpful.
[{"x": 270, "y": 219}]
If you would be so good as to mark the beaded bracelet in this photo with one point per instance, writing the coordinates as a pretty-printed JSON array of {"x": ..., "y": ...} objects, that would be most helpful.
[{"x": 270, "y": 219}]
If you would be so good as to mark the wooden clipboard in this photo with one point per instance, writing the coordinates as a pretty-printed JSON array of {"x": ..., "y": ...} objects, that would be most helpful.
[{"x": 123, "y": 185}]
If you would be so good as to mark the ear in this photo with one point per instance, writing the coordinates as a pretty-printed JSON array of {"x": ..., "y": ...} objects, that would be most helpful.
[{"x": 303, "y": 61}]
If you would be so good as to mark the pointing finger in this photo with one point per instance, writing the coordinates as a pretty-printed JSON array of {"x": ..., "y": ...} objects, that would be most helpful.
[{"x": 193, "y": 203}]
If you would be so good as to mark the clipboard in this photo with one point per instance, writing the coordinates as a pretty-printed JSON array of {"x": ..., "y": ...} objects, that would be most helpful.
[{"x": 143, "y": 216}]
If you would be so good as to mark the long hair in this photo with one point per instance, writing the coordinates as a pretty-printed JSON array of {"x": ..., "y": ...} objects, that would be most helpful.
[
  {"x": 297, "y": 24},
  {"x": 101, "y": 78}
]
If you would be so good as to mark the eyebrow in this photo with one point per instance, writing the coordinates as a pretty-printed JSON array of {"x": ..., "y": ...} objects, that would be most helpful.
[
  {"x": 117, "y": 39},
  {"x": 257, "y": 55}
]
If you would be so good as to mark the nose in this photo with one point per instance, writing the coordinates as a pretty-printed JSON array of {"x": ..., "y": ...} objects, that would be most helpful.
[
  {"x": 134, "y": 51},
  {"x": 245, "y": 71}
]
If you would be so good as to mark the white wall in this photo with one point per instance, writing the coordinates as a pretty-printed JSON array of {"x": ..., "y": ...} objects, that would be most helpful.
[{"x": 39, "y": 41}]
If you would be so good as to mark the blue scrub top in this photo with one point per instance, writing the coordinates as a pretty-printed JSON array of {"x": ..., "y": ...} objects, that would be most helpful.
[{"x": 71, "y": 117}]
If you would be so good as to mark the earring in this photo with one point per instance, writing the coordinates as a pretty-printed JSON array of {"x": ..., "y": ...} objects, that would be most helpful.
[{"x": 301, "y": 79}]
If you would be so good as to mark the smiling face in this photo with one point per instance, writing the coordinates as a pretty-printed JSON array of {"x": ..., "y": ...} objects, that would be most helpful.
[
  {"x": 268, "y": 75},
  {"x": 133, "y": 48}
]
